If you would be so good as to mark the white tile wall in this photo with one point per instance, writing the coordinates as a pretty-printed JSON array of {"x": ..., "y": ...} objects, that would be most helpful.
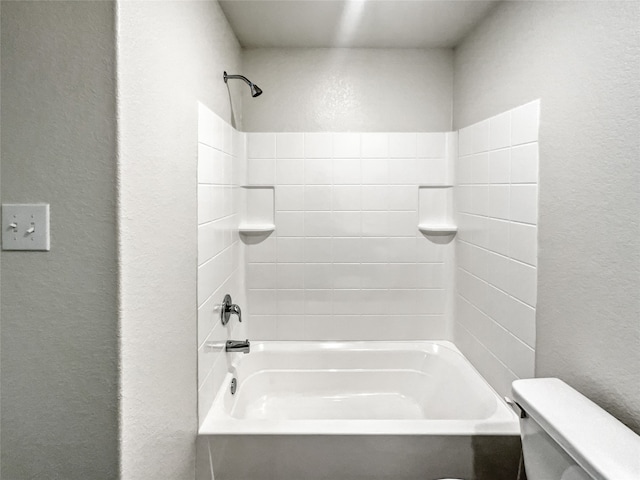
[
  {"x": 221, "y": 170},
  {"x": 496, "y": 196},
  {"x": 346, "y": 260}
]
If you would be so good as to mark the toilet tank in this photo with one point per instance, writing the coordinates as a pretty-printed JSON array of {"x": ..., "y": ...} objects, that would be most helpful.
[{"x": 565, "y": 436}]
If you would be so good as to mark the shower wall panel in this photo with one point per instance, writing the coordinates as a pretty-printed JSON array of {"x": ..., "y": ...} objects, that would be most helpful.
[
  {"x": 496, "y": 248},
  {"x": 221, "y": 171},
  {"x": 346, "y": 260}
]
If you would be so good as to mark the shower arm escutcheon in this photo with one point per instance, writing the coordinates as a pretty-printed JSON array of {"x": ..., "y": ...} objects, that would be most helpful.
[{"x": 228, "y": 308}]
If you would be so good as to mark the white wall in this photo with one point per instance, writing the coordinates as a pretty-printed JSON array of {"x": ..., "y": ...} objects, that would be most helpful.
[
  {"x": 582, "y": 60},
  {"x": 59, "y": 308},
  {"x": 171, "y": 56},
  {"x": 496, "y": 247},
  {"x": 347, "y": 260},
  {"x": 356, "y": 90},
  {"x": 221, "y": 267}
]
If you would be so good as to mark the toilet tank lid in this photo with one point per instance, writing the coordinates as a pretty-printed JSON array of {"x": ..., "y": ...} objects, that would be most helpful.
[{"x": 598, "y": 442}]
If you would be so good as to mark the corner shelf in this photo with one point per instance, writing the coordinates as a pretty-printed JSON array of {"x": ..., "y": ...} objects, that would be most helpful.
[
  {"x": 256, "y": 229},
  {"x": 259, "y": 212},
  {"x": 433, "y": 229},
  {"x": 435, "y": 210}
]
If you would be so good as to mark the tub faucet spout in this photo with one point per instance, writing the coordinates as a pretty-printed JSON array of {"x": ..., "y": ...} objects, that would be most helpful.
[{"x": 238, "y": 346}]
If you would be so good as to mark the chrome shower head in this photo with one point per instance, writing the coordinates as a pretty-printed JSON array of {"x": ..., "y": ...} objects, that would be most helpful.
[{"x": 255, "y": 90}]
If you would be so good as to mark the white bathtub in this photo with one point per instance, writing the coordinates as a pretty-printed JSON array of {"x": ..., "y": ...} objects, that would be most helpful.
[{"x": 374, "y": 410}]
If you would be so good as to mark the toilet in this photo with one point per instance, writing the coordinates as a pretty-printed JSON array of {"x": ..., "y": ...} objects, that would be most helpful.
[{"x": 565, "y": 436}]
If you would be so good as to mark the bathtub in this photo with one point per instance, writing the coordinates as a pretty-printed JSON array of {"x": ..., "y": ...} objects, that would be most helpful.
[{"x": 366, "y": 410}]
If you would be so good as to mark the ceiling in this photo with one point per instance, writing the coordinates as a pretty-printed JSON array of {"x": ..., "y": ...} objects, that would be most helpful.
[{"x": 353, "y": 23}]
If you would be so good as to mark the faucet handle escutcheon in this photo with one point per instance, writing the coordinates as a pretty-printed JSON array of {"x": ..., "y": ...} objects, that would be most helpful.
[{"x": 228, "y": 308}]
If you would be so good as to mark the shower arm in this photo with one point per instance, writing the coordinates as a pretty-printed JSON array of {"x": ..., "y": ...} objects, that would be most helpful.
[
  {"x": 255, "y": 90},
  {"x": 239, "y": 77}
]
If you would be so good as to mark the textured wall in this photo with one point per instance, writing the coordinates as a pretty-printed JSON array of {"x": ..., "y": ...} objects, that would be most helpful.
[
  {"x": 59, "y": 308},
  {"x": 358, "y": 90},
  {"x": 171, "y": 56},
  {"x": 582, "y": 60}
]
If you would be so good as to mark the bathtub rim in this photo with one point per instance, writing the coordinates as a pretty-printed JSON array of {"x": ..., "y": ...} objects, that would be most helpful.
[{"x": 503, "y": 422}]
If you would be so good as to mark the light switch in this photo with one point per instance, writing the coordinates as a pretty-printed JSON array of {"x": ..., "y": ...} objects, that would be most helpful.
[{"x": 25, "y": 227}]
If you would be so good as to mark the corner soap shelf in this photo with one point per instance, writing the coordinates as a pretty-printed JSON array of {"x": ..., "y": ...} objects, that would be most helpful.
[
  {"x": 435, "y": 209},
  {"x": 259, "y": 215},
  {"x": 255, "y": 229},
  {"x": 437, "y": 229}
]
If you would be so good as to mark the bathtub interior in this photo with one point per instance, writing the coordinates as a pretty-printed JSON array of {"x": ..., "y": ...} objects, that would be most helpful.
[
  {"x": 357, "y": 387},
  {"x": 356, "y": 382}
]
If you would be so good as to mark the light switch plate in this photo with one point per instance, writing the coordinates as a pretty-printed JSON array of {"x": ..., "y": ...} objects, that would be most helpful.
[{"x": 25, "y": 227}]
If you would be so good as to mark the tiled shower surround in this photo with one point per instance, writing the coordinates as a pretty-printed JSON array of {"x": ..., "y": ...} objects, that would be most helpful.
[
  {"x": 221, "y": 171},
  {"x": 496, "y": 248},
  {"x": 346, "y": 260}
]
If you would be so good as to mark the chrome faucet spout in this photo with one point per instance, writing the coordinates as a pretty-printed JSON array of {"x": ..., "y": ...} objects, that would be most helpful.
[{"x": 242, "y": 346}]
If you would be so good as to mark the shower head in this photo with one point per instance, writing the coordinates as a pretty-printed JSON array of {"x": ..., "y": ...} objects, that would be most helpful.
[{"x": 255, "y": 90}]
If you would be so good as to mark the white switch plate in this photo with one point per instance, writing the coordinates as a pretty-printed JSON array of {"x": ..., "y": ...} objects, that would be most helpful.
[{"x": 25, "y": 227}]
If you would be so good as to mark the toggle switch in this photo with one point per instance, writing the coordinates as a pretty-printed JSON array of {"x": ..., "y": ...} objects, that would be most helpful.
[{"x": 25, "y": 227}]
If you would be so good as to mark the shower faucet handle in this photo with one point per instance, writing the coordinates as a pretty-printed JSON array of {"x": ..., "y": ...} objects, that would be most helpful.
[{"x": 229, "y": 308}]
